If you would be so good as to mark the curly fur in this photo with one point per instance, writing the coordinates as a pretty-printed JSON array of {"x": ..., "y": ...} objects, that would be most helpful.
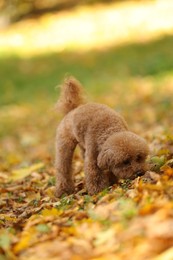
[
  {"x": 110, "y": 150},
  {"x": 71, "y": 96}
]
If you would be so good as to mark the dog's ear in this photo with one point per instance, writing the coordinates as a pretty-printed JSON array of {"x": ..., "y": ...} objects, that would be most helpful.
[{"x": 103, "y": 159}]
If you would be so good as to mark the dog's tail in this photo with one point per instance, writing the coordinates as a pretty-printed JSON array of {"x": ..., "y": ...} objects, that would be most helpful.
[{"x": 71, "y": 96}]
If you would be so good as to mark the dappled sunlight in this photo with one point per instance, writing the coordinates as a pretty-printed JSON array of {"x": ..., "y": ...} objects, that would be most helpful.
[
  {"x": 135, "y": 79},
  {"x": 87, "y": 28}
]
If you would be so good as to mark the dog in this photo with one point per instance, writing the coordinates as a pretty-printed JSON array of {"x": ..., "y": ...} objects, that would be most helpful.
[{"x": 111, "y": 151}]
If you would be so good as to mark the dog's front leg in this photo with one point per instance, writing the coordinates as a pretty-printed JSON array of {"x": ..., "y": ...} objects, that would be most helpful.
[
  {"x": 96, "y": 180},
  {"x": 65, "y": 146}
]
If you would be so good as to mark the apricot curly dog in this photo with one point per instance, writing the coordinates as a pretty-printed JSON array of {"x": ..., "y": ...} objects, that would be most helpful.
[{"x": 110, "y": 150}]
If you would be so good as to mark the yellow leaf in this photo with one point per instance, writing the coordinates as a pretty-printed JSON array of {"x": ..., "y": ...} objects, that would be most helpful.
[
  {"x": 146, "y": 209},
  {"x": 169, "y": 171},
  {"x": 50, "y": 212},
  {"x": 24, "y": 241},
  {"x": 22, "y": 173},
  {"x": 157, "y": 187},
  {"x": 167, "y": 255},
  {"x": 7, "y": 218}
]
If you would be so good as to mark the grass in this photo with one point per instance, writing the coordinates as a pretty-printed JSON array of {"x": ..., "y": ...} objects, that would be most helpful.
[
  {"x": 124, "y": 77},
  {"x": 117, "y": 46},
  {"x": 36, "y": 77}
]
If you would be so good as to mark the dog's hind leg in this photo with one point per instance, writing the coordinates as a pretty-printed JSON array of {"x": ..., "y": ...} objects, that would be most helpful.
[{"x": 65, "y": 145}]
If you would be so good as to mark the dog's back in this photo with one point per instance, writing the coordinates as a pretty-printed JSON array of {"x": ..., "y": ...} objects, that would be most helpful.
[
  {"x": 95, "y": 121},
  {"x": 86, "y": 120}
]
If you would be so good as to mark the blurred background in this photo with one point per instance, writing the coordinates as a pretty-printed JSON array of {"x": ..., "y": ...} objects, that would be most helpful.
[{"x": 121, "y": 51}]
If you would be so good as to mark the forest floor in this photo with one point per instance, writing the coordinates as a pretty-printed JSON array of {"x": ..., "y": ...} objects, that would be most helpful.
[{"x": 130, "y": 220}]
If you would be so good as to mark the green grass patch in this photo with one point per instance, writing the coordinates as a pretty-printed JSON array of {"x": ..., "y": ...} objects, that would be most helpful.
[{"x": 34, "y": 79}]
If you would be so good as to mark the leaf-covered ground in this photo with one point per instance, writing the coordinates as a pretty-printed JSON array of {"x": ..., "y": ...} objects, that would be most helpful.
[{"x": 131, "y": 220}]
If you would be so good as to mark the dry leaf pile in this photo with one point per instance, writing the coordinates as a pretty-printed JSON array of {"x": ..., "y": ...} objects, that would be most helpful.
[{"x": 132, "y": 220}]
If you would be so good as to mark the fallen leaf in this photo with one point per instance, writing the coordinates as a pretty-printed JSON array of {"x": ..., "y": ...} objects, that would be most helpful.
[
  {"x": 24, "y": 172},
  {"x": 43, "y": 228},
  {"x": 166, "y": 255},
  {"x": 5, "y": 241},
  {"x": 50, "y": 212}
]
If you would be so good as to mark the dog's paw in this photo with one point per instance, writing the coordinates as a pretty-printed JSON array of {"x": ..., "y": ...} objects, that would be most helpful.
[
  {"x": 94, "y": 189},
  {"x": 63, "y": 190}
]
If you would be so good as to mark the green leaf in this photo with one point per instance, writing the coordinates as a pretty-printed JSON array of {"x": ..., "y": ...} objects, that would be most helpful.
[
  {"x": 43, "y": 228},
  {"x": 158, "y": 162},
  {"x": 127, "y": 208},
  {"x": 3, "y": 257},
  {"x": 51, "y": 181},
  {"x": 5, "y": 241}
]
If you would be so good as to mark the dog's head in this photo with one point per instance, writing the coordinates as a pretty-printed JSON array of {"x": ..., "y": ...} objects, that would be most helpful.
[{"x": 124, "y": 154}]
